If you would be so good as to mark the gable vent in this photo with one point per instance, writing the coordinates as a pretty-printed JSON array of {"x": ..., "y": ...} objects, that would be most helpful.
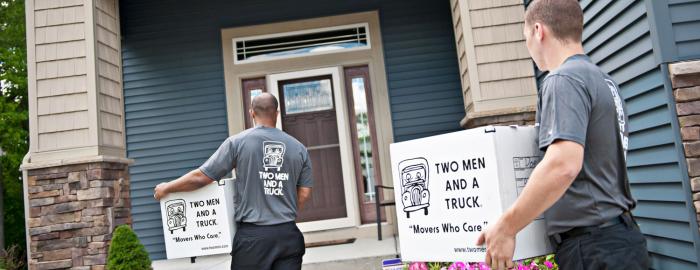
[{"x": 301, "y": 43}]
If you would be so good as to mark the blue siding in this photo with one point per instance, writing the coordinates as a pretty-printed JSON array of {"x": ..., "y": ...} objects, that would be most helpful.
[
  {"x": 685, "y": 20},
  {"x": 618, "y": 36},
  {"x": 174, "y": 81}
]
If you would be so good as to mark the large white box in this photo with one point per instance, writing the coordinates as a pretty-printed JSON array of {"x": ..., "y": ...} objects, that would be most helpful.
[
  {"x": 449, "y": 187},
  {"x": 199, "y": 222}
]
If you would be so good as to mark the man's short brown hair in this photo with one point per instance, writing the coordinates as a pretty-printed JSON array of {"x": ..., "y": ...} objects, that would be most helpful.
[{"x": 563, "y": 17}]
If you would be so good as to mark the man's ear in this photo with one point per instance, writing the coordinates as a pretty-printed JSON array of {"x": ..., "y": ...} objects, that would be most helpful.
[{"x": 538, "y": 30}]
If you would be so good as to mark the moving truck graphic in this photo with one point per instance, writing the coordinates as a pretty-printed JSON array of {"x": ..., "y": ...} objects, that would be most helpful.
[
  {"x": 414, "y": 185},
  {"x": 273, "y": 155},
  {"x": 176, "y": 215}
]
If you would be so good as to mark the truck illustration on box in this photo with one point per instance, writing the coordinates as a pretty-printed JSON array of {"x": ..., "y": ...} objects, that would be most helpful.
[
  {"x": 176, "y": 215},
  {"x": 414, "y": 185},
  {"x": 273, "y": 155}
]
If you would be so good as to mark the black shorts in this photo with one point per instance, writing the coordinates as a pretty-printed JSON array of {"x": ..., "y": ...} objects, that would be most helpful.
[{"x": 279, "y": 246}]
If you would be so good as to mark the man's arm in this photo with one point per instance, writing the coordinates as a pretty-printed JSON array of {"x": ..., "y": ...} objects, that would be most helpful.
[
  {"x": 191, "y": 181},
  {"x": 303, "y": 195},
  {"x": 548, "y": 182}
]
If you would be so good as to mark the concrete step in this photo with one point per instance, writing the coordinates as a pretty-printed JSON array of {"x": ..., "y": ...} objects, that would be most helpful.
[{"x": 368, "y": 263}]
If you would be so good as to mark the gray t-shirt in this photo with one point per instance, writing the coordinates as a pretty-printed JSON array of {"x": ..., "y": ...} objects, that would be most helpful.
[
  {"x": 270, "y": 165},
  {"x": 578, "y": 102}
]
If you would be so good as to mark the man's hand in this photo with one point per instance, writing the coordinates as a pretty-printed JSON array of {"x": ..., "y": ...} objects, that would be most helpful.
[
  {"x": 500, "y": 245},
  {"x": 160, "y": 191}
]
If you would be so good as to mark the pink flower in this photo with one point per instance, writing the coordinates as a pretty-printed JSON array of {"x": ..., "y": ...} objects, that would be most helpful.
[
  {"x": 549, "y": 264},
  {"x": 523, "y": 267},
  {"x": 458, "y": 266},
  {"x": 483, "y": 266},
  {"x": 417, "y": 266}
]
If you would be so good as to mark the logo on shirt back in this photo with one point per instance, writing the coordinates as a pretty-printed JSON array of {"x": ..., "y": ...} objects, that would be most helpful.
[
  {"x": 620, "y": 115},
  {"x": 273, "y": 155},
  {"x": 273, "y": 158}
]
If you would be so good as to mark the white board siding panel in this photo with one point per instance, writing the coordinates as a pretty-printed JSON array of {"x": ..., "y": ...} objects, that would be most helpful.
[
  {"x": 63, "y": 121},
  {"x": 61, "y": 68},
  {"x": 501, "y": 66},
  {"x": 59, "y": 51},
  {"x": 497, "y": 15},
  {"x": 109, "y": 79},
  {"x": 484, "y": 4},
  {"x": 64, "y": 140},
  {"x": 61, "y": 104},
  {"x": 59, "y": 16},
  {"x": 502, "y": 52},
  {"x": 504, "y": 71},
  {"x": 59, "y": 33},
  {"x": 61, "y": 86},
  {"x": 50, "y": 4}
]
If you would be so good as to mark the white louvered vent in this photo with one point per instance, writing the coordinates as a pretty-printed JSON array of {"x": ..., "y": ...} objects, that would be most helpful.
[{"x": 301, "y": 43}]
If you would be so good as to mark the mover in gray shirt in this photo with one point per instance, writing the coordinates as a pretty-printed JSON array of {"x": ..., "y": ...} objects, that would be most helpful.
[
  {"x": 273, "y": 172},
  {"x": 581, "y": 184}
]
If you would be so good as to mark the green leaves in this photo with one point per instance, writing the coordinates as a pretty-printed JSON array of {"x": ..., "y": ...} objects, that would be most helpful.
[
  {"x": 14, "y": 126},
  {"x": 126, "y": 252}
]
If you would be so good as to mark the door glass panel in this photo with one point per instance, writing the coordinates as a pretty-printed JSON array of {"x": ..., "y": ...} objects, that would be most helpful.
[
  {"x": 364, "y": 138},
  {"x": 254, "y": 93},
  {"x": 308, "y": 96}
]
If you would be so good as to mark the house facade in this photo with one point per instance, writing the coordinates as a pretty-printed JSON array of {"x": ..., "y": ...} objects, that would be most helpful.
[{"x": 127, "y": 94}]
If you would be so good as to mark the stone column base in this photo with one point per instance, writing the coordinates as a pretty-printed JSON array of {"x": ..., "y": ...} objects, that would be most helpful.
[
  {"x": 685, "y": 78},
  {"x": 73, "y": 210}
]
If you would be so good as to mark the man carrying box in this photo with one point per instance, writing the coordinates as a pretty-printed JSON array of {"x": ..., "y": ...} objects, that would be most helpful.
[
  {"x": 581, "y": 183},
  {"x": 273, "y": 172}
]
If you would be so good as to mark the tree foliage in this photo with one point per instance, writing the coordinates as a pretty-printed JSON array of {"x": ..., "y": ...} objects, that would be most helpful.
[{"x": 13, "y": 116}]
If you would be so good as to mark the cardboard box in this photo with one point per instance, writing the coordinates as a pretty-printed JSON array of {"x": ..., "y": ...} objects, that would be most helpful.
[
  {"x": 449, "y": 187},
  {"x": 200, "y": 222}
]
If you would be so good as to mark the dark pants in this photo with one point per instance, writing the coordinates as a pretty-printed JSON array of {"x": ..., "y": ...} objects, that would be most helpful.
[
  {"x": 620, "y": 246},
  {"x": 278, "y": 246}
]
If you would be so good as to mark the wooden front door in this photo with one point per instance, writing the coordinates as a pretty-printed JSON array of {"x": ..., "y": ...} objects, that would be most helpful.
[{"x": 309, "y": 115}]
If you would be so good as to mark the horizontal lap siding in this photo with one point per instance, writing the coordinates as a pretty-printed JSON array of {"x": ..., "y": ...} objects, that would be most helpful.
[
  {"x": 174, "y": 89},
  {"x": 617, "y": 37},
  {"x": 685, "y": 21}
]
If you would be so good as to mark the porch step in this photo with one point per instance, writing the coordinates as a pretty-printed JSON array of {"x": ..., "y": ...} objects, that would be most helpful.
[
  {"x": 364, "y": 253},
  {"x": 368, "y": 263}
]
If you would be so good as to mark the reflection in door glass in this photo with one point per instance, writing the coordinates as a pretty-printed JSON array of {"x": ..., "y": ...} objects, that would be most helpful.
[
  {"x": 309, "y": 96},
  {"x": 254, "y": 93},
  {"x": 364, "y": 137}
]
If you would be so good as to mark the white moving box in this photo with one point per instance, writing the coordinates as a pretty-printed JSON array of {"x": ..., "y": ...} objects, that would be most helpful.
[
  {"x": 200, "y": 222},
  {"x": 449, "y": 187}
]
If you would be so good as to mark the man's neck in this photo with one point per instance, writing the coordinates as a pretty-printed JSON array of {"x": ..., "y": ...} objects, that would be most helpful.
[
  {"x": 267, "y": 125},
  {"x": 562, "y": 53}
]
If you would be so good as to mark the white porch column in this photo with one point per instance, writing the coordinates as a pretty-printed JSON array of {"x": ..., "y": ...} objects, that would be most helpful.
[
  {"x": 76, "y": 178},
  {"x": 75, "y": 85},
  {"x": 498, "y": 78}
]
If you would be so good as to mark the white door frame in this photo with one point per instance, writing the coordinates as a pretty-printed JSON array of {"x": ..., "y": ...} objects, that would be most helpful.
[{"x": 344, "y": 138}]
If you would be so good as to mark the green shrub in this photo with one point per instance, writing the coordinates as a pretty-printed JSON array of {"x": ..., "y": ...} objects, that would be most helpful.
[
  {"x": 12, "y": 258},
  {"x": 126, "y": 252}
]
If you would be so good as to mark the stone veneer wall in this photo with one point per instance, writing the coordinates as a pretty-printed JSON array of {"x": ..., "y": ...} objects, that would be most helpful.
[
  {"x": 685, "y": 78},
  {"x": 73, "y": 211}
]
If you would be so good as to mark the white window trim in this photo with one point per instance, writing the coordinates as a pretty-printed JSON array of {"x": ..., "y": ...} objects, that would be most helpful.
[
  {"x": 347, "y": 163},
  {"x": 301, "y": 32}
]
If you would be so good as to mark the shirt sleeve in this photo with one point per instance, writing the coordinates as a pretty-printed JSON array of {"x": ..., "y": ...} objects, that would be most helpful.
[
  {"x": 565, "y": 111},
  {"x": 222, "y": 161},
  {"x": 306, "y": 177}
]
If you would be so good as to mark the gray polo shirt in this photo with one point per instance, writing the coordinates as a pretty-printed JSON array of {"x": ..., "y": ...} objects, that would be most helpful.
[
  {"x": 270, "y": 165},
  {"x": 578, "y": 102}
]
